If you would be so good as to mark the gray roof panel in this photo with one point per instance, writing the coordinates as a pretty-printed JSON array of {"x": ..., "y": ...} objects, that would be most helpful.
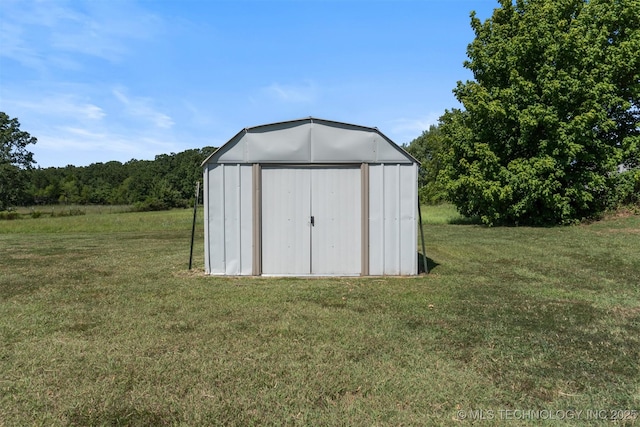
[{"x": 310, "y": 140}]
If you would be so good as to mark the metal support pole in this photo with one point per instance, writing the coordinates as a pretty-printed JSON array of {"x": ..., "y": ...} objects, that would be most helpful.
[
  {"x": 424, "y": 252},
  {"x": 193, "y": 226}
]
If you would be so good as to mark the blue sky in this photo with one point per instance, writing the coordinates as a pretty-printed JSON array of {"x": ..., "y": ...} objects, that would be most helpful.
[{"x": 105, "y": 80}]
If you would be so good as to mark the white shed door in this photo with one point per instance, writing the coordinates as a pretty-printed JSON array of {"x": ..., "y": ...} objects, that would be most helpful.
[{"x": 311, "y": 221}]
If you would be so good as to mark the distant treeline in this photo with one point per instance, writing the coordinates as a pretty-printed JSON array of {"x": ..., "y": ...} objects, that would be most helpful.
[{"x": 166, "y": 182}]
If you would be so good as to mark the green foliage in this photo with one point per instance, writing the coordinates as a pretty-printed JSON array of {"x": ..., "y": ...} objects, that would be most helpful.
[
  {"x": 14, "y": 160},
  {"x": 149, "y": 205},
  {"x": 162, "y": 196},
  {"x": 9, "y": 215},
  {"x": 628, "y": 188},
  {"x": 427, "y": 150},
  {"x": 69, "y": 212},
  {"x": 66, "y": 211},
  {"x": 163, "y": 183},
  {"x": 553, "y": 111}
]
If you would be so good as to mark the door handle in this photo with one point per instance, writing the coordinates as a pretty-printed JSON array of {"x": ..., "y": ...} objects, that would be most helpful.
[{"x": 313, "y": 221}]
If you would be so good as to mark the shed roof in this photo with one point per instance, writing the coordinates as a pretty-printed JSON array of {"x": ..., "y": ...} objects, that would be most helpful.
[{"x": 310, "y": 140}]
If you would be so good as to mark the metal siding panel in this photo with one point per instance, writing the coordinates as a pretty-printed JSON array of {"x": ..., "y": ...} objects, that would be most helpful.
[
  {"x": 376, "y": 220},
  {"x": 215, "y": 209},
  {"x": 364, "y": 218},
  {"x": 256, "y": 220},
  {"x": 205, "y": 203},
  {"x": 391, "y": 220},
  {"x": 408, "y": 234},
  {"x": 285, "y": 221},
  {"x": 246, "y": 220},
  {"x": 336, "y": 208},
  {"x": 232, "y": 219}
]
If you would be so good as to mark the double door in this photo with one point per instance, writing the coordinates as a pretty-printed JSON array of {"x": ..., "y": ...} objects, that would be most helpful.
[{"x": 311, "y": 220}]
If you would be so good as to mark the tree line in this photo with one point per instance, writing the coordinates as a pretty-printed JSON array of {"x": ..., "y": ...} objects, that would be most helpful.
[{"x": 168, "y": 181}]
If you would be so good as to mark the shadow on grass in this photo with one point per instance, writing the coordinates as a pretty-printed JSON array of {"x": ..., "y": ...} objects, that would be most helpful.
[{"x": 431, "y": 264}]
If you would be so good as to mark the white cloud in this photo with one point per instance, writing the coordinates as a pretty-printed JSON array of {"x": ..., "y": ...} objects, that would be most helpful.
[
  {"x": 93, "y": 112},
  {"x": 14, "y": 46},
  {"x": 81, "y": 146},
  {"x": 305, "y": 92},
  {"x": 420, "y": 124},
  {"x": 404, "y": 130},
  {"x": 39, "y": 34},
  {"x": 85, "y": 133},
  {"x": 68, "y": 106},
  {"x": 71, "y": 129},
  {"x": 141, "y": 108}
]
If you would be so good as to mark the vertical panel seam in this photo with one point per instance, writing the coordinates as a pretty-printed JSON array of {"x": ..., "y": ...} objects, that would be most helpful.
[
  {"x": 256, "y": 219},
  {"x": 384, "y": 220},
  {"x": 364, "y": 218},
  {"x": 224, "y": 219},
  {"x": 239, "y": 215},
  {"x": 259, "y": 207},
  {"x": 205, "y": 205},
  {"x": 399, "y": 211},
  {"x": 311, "y": 227}
]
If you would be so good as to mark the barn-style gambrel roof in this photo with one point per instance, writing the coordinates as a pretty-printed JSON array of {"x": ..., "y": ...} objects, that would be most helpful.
[{"x": 310, "y": 140}]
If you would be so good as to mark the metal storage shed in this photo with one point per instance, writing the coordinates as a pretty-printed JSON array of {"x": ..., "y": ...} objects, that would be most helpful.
[{"x": 310, "y": 197}]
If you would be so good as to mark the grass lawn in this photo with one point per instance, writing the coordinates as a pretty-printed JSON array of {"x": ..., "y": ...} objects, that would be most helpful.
[{"x": 102, "y": 324}]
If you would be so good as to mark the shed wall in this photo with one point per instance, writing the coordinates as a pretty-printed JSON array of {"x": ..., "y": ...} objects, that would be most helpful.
[
  {"x": 393, "y": 206},
  {"x": 228, "y": 219}
]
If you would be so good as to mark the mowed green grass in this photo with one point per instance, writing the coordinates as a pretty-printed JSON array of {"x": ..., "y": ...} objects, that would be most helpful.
[{"x": 102, "y": 324}]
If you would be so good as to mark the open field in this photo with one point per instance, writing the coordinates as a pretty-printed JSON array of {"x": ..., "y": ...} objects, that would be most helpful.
[
  {"x": 69, "y": 210},
  {"x": 102, "y": 324}
]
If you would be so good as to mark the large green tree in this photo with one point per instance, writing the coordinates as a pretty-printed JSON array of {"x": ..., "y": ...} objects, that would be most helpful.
[
  {"x": 552, "y": 112},
  {"x": 427, "y": 148},
  {"x": 15, "y": 158}
]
